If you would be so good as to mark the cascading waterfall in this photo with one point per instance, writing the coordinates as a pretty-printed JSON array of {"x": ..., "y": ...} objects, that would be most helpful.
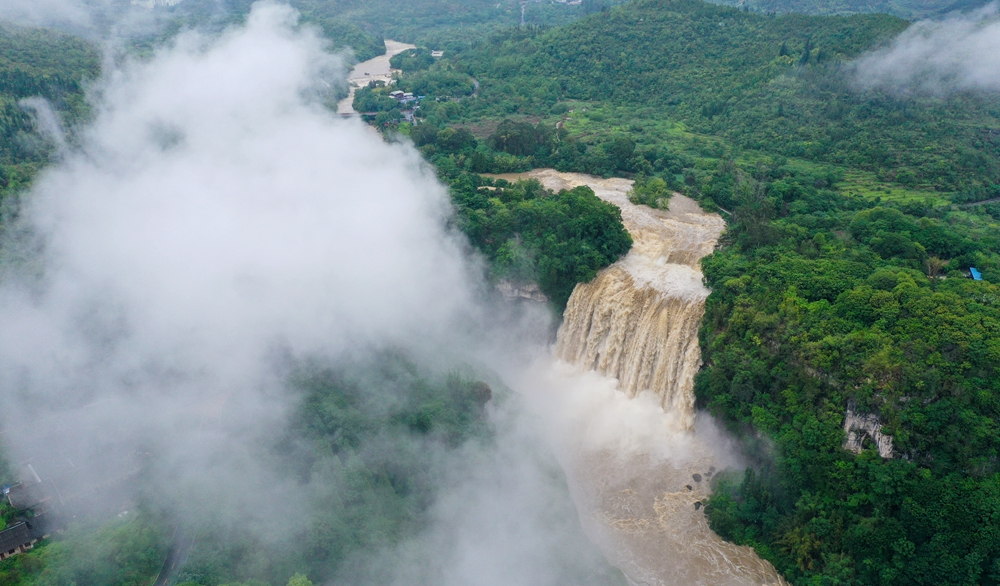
[
  {"x": 639, "y": 471},
  {"x": 638, "y": 320},
  {"x": 646, "y": 339}
]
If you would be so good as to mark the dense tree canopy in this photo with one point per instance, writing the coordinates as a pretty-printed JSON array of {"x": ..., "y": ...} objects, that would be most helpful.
[
  {"x": 842, "y": 303},
  {"x": 532, "y": 234}
]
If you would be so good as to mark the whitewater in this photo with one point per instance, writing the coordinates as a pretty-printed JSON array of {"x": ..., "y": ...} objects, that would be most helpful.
[{"x": 639, "y": 459}]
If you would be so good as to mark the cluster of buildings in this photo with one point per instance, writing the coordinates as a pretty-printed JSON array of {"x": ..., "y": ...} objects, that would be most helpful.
[
  {"x": 53, "y": 490},
  {"x": 23, "y": 535},
  {"x": 404, "y": 97}
]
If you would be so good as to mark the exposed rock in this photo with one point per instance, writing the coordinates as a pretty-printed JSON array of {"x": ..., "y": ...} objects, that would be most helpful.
[
  {"x": 514, "y": 291},
  {"x": 482, "y": 392},
  {"x": 857, "y": 426}
]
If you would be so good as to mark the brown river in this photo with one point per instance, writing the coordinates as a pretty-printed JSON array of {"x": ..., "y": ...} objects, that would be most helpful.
[
  {"x": 377, "y": 69},
  {"x": 638, "y": 458}
]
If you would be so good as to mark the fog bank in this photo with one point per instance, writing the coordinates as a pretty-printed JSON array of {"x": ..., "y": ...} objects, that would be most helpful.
[
  {"x": 217, "y": 227},
  {"x": 957, "y": 53}
]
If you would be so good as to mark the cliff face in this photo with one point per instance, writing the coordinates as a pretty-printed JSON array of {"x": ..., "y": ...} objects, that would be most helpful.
[
  {"x": 512, "y": 291},
  {"x": 857, "y": 426}
]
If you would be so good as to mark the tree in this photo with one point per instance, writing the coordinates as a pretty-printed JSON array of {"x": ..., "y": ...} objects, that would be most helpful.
[
  {"x": 754, "y": 211},
  {"x": 934, "y": 266},
  {"x": 299, "y": 580},
  {"x": 621, "y": 150}
]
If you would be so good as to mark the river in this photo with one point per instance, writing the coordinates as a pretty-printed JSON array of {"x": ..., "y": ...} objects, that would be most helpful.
[
  {"x": 371, "y": 70},
  {"x": 638, "y": 457}
]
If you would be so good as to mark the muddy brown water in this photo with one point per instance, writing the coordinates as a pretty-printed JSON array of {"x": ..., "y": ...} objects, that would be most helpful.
[
  {"x": 637, "y": 322},
  {"x": 377, "y": 69}
]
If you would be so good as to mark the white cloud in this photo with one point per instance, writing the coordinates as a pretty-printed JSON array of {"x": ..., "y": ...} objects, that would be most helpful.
[
  {"x": 959, "y": 52},
  {"x": 216, "y": 216},
  {"x": 216, "y": 219},
  {"x": 46, "y": 12}
]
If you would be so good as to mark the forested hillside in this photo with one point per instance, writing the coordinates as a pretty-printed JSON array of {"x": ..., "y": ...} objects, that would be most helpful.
[
  {"x": 35, "y": 62},
  {"x": 842, "y": 285},
  {"x": 445, "y": 21},
  {"x": 358, "y": 499},
  {"x": 909, "y": 9},
  {"x": 369, "y": 440},
  {"x": 356, "y": 23},
  {"x": 822, "y": 304},
  {"x": 763, "y": 83}
]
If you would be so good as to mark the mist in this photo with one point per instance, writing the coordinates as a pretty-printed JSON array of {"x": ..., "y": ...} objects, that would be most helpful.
[
  {"x": 46, "y": 12},
  {"x": 216, "y": 229},
  {"x": 960, "y": 52}
]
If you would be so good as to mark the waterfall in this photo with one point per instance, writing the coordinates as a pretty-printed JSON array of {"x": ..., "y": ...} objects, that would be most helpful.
[
  {"x": 638, "y": 320},
  {"x": 642, "y": 336},
  {"x": 638, "y": 459}
]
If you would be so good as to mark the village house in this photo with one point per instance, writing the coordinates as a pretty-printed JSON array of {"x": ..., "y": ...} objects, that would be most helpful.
[
  {"x": 22, "y": 536},
  {"x": 26, "y": 496}
]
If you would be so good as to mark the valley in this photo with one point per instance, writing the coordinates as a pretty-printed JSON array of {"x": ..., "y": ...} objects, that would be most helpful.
[{"x": 657, "y": 292}]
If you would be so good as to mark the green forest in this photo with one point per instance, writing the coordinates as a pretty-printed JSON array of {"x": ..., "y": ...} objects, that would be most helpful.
[
  {"x": 843, "y": 278},
  {"x": 909, "y": 9},
  {"x": 854, "y": 218},
  {"x": 368, "y": 466},
  {"x": 37, "y": 63},
  {"x": 360, "y": 499}
]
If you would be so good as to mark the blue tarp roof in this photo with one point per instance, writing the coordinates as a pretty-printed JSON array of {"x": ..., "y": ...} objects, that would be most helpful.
[{"x": 976, "y": 275}]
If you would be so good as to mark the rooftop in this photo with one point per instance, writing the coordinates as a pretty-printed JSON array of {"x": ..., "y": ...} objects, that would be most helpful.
[{"x": 22, "y": 533}]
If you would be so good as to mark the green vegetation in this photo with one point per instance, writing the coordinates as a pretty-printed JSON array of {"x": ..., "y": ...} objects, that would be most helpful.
[
  {"x": 447, "y": 24},
  {"x": 125, "y": 552},
  {"x": 369, "y": 435},
  {"x": 364, "y": 447},
  {"x": 841, "y": 281},
  {"x": 412, "y": 60},
  {"x": 819, "y": 302},
  {"x": 532, "y": 234},
  {"x": 36, "y": 62},
  {"x": 653, "y": 192},
  {"x": 664, "y": 73},
  {"x": 909, "y": 9}
]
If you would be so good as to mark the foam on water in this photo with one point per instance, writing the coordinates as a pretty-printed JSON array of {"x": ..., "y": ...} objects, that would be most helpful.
[{"x": 638, "y": 458}]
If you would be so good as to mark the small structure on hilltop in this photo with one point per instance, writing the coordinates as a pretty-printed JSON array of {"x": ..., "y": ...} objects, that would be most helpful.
[{"x": 975, "y": 274}]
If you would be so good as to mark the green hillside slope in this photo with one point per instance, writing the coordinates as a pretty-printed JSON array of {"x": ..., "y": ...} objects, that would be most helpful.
[
  {"x": 34, "y": 62},
  {"x": 908, "y": 9},
  {"x": 842, "y": 282},
  {"x": 771, "y": 84}
]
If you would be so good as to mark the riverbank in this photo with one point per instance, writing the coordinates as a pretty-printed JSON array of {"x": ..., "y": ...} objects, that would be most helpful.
[
  {"x": 638, "y": 458},
  {"x": 377, "y": 69}
]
